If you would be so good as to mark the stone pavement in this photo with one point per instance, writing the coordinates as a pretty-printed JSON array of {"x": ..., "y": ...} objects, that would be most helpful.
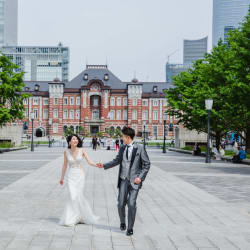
[{"x": 177, "y": 207}]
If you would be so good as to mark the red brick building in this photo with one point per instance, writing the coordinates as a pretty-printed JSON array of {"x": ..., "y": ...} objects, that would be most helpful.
[{"x": 96, "y": 99}]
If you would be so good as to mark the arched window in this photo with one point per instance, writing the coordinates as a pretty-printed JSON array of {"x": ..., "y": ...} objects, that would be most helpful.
[
  {"x": 72, "y": 128},
  {"x": 77, "y": 129},
  {"x": 65, "y": 128}
]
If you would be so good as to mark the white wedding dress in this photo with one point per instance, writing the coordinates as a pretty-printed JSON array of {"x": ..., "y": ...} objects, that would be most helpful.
[{"x": 77, "y": 209}]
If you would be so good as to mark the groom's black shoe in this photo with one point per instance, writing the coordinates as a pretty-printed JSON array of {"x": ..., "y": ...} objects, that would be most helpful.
[
  {"x": 123, "y": 226},
  {"x": 129, "y": 232}
]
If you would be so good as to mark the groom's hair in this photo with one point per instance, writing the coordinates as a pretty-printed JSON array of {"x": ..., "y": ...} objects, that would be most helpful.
[
  {"x": 129, "y": 132},
  {"x": 79, "y": 145}
]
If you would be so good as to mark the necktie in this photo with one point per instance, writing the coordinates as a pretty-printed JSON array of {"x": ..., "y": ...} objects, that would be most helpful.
[{"x": 127, "y": 151}]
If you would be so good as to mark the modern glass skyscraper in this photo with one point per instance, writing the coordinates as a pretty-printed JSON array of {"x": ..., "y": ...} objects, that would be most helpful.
[
  {"x": 40, "y": 63},
  {"x": 194, "y": 50},
  {"x": 227, "y": 14},
  {"x": 8, "y": 22}
]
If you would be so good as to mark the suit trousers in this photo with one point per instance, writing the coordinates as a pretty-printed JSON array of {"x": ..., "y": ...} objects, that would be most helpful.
[{"x": 127, "y": 195}]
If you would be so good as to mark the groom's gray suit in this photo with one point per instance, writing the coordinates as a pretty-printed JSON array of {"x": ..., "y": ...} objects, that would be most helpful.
[{"x": 135, "y": 166}]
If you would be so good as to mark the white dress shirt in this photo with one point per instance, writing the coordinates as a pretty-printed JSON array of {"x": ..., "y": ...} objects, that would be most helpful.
[{"x": 130, "y": 149}]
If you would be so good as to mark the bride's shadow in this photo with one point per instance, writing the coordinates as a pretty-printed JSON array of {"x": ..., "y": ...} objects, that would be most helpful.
[{"x": 97, "y": 226}]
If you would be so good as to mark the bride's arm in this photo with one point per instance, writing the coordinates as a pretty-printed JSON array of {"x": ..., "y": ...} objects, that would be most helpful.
[
  {"x": 64, "y": 168},
  {"x": 90, "y": 162}
]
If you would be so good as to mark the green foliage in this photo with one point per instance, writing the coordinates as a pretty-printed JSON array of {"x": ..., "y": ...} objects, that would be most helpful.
[
  {"x": 11, "y": 98},
  {"x": 6, "y": 145},
  {"x": 99, "y": 134},
  {"x": 68, "y": 131}
]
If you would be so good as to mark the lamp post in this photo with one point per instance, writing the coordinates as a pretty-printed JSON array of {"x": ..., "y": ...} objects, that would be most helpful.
[
  {"x": 50, "y": 122},
  {"x": 209, "y": 105},
  {"x": 164, "y": 132},
  {"x": 144, "y": 136},
  {"x": 32, "y": 127}
]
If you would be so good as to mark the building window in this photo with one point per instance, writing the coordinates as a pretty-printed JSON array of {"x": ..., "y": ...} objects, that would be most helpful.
[
  {"x": 135, "y": 128},
  {"x": 25, "y": 113},
  {"x": 71, "y": 114},
  {"x": 25, "y": 101},
  {"x": 155, "y": 103},
  {"x": 134, "y": 114},
  {"x": 95, "y": 114},
  {"x": 35, "y": 101},
  {"x": 125, "y": 114},
  {"x": 71, "y": 100},
  {"x": 134, "y": 102},
  {"x": 95, "y": 101},
  {"x": 106, "y": 77},
  {"x": 78, "y": 114},
  {"x": 118, "y": 115},
  {"x": 55, "y": 113},
  {"x": 35, "y": 113},
  {"x": 119, "y": 101},
  {"x": 45, "y": 114},
  {"x": 65, "y": 114},
  {"x": 144, "y": 115},
  {"x": 85, "y": 77},
  {"x": 65, "y": 101},
  {"x": 55, "y": 101},
  {"x": 145, "y": 103},
  {"x": 112, "y": 102},
  {"x": 112, "y": 115},
  {"x": 78, "y": 100},
  {"x": 155, "y": 132},
  {"x": 125, "y": 101},
  {"x": 155, "y": 115},
  {"x": 46, "y": 101},
  {"x": 155, "y": 88},
  {"x": 55, "y": 127}
]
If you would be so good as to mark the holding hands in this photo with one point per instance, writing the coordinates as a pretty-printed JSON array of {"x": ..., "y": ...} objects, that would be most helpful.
[{"x": 99, "y": 165}]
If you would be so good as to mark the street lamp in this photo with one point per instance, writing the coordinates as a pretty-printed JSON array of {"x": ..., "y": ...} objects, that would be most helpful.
[
  {"x": 209, "y": 105},
  {"x": 164, "y": 133},
  {"x": 32, "y": 123},
  {"x": 144, "y": 135},
  {"x": 50, "y": 123}
]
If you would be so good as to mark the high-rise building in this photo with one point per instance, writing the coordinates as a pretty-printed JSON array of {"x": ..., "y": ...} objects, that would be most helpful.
[
  {"x": 194, "y": 50},
  {"x": 8, "y": 22},
  {"x": 173, "y": 70},
  {"x": 40, "y": 63},
  {"x": 227, "y": 15}
]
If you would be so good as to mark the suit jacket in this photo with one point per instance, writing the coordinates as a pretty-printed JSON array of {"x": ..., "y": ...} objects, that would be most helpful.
[{"x": 139, "y": 165}]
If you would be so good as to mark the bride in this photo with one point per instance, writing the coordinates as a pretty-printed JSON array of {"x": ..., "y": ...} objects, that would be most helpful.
[{"x": 77, "y": 209}]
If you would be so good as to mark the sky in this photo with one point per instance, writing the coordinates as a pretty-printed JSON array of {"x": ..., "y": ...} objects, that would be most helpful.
[{"x": 134, "y": 37}]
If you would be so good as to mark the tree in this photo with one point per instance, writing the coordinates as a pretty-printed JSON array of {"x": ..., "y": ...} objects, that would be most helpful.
[
  {"x": 206, "y": 79},
  {"x": 11, "y": 96},
  {"x": 239, "y": 46},
  {"x": 68, "y": 131}
]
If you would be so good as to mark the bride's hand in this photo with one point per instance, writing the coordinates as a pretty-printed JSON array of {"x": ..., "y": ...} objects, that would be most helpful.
[{"x": 61, "y": 182}]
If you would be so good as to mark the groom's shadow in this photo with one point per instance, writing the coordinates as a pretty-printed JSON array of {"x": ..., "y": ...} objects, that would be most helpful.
[{"x": 108, "y": 228}]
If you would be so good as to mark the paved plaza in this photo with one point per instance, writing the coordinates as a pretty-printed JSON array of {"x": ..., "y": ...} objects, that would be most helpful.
[{"x": 184, "y": 204}]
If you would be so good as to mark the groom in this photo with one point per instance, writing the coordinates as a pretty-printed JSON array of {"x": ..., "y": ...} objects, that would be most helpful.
[{"x": 134, "y": 166}]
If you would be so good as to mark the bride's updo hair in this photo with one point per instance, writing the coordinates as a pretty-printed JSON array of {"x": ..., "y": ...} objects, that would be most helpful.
[{"x": 79, "y": 145}]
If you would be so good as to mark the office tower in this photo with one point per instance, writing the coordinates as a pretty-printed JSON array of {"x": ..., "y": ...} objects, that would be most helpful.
[
  {"x": 40, "y": 63},
  {"x": 194, "y": 50},
  {"x": 227, "y": 15},
  {"x": 8, "y": 22}
]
